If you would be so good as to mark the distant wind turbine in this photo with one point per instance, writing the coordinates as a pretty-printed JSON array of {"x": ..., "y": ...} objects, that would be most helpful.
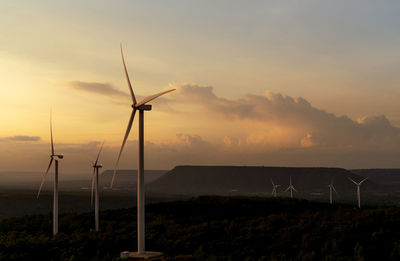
[
  {"x": 56, "y": 158},
  {"x": 331, "y": 187},
  {"x": 291, "y": 188},
  {"x": 141, "y": 107},
  {"x": 274, "y": 187},
  {"x": 358, "y": 190},
  {"x": 95, "y": 188}
]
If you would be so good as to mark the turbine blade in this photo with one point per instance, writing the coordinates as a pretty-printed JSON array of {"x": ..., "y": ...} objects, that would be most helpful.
[
  {"x": 352, "y": 181},
  {"x": 44, "y": 177},
  {"x": 89, "y": 160},
  {"x": 98, "y": 155},
  {"x": 128, "y": 129},
  {"x": 91, "y": 191},
  {"x": 362, "y": 181},
  {"x": 127, "y": 77},
  {"x": 294, "y": 189},
  {"x": 335, "y": 190},
  {"x": 286, "y": 190},
  {"x": 51, "y": 134},
  {"x": 272, "y": 183},
  {"x": 152, "y": 97}
]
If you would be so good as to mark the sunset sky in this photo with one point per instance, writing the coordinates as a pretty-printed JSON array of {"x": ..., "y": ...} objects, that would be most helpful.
[{"x": 282, "y": 83}]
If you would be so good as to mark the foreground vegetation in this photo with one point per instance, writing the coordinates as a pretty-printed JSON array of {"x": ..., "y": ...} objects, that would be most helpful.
[{"x": 214, "y": 228}]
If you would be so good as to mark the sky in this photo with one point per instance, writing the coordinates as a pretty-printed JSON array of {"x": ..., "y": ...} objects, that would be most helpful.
[{"x": 265, "y": 83}]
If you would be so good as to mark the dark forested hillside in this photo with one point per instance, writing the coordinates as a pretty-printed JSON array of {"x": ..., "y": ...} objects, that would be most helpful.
[{"x": 214, "y": 228}]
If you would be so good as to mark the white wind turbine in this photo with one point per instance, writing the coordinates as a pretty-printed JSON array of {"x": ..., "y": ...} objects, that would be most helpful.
[
  {"x": 358, "y": 190},
  {"x": 95, "y": 188},
  {"x": 56, "y": 158},
  {"x": 331, "y": 187},
  {"x": 274, "y": 187},
  {"x": 291, "y": 188},
  {"x": 141, "y": 107}
]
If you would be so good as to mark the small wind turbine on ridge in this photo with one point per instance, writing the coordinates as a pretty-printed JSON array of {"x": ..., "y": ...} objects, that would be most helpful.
[
  {"x": 53, "y": 157},
  {"x": 95, "y": 188},
  {"x": 291, "y": 188},
  {"x": 274, "y": 187},
  {"x": 331, "y": 187},
  {"x": 358, "y": 190},
  {"x": 141, "y": 107}
]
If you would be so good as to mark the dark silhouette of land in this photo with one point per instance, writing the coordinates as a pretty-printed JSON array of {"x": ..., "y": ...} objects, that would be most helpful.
[
  {"x": 390, "y": 177},
  {"x": 214, "y": 228},
  {"x": 225, "y": 180},
  {"x": 247, "y": 225},
  {"x": 17, "y": 191}
]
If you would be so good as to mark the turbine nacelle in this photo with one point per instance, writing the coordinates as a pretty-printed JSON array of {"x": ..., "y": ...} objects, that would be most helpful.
[
  {"x": 57, "y": 157},
  {"x": 144, "y": 107},
  {"x": 98, "y": 166}
]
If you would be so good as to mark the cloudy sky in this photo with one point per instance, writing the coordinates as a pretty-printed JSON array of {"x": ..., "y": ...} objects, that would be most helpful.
[{"x": 288, "y": 83}]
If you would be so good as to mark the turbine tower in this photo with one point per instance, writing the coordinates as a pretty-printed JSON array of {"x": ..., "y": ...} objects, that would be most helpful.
[
  {"x": 53, "y": 157},
  {"x": 141, "y": 107},
  {"x": 274, "y": 187},
  {"x": 358, "y": 190},
  {"x": 291, "y": 188},
  {"x": 95, "y": 188},
  {"x": 331, "y": 187}
]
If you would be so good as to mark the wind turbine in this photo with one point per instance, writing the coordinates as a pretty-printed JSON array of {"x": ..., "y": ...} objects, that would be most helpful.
[
  {"x": 141, "y": 107},
  {"x": 274, "y": 187},
  {"x": 358, "y": 190},
  {"x": 291, "y": 188},
  {"x": 95, "y": 188},
  {"x": 331, "y": 187},
  {"x": 56, "y": 158}
]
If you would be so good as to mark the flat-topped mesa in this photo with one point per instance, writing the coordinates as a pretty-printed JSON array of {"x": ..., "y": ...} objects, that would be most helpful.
[{"x": 247, "y": 179}]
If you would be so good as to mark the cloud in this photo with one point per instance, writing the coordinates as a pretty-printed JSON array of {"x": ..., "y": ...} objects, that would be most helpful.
[
  {"x": 21, "y": 138},
  {"x": 269, "y": 129},
  {"x": 276, "y": 120},
  {"x": 98, "y": 88},
  {"x": 191, "y": 140},
  {"x": 110, "y": 91}
]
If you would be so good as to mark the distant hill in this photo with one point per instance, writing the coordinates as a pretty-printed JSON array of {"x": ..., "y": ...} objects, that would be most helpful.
[
  {"x": 225, "y": 180},
  {"x": 127, "y": 178},
  {"x": 380, "y": 176}
]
